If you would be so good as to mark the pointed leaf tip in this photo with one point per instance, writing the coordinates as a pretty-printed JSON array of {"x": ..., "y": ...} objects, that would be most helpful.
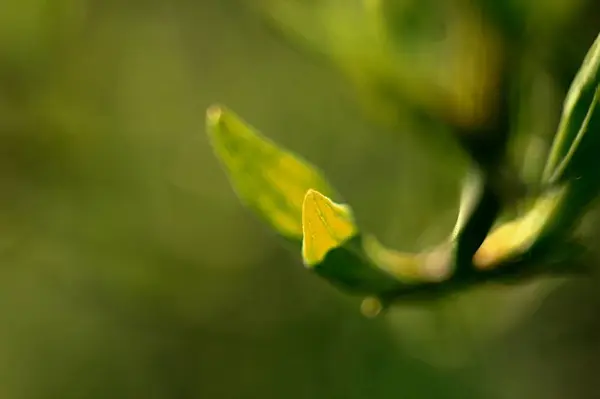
[
  {"x": 213, "y": 114},
  {"x": 325, "y": 226}
]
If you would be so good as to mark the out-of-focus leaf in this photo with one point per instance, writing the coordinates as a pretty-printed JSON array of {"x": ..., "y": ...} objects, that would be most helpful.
[
  {"x": 572, "y": 163},
  {"x": 478, "y": 211},
  {"x": 269, "y": 179},
  {"x": 430, "y": 266},
  {"x": 438, "y": 56},
  {"x": 517, "y": 236},
  {"x": 570, "y": 171},
  {"x": 538, "y": 243},
  {"x": 524, "y": 19}
]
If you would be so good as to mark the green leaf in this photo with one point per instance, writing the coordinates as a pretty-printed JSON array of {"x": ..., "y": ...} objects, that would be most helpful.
[
  {"x": 267, "y": 178},
  {"x": 357, "y": 263},
  {"x": 575, "y": 147},
  {"x": 572, "y": 163}
]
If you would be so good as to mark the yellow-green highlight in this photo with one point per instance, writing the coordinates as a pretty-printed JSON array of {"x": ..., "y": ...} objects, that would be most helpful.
[
  {"x": 326, "y": 225},
  {"x": 519, "y": 235},
  {"x": 409, "y": 268}
]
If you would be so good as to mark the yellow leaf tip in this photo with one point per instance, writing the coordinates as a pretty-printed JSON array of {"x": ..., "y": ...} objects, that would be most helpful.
[
  {"x": 312, "y": 209},
  {"x": 313, "y": 200},
  {"x": 316, "y": 200},
  {"x": 311, "y": 194},
  {"x": 214, "y": 113},
  {"x": 325, "y": 226}
]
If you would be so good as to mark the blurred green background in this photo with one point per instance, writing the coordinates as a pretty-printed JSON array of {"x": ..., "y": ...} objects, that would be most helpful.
[{"x": 130, "y": 270}]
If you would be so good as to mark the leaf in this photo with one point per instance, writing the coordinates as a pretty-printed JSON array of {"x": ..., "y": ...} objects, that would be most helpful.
[
  {"x": 438, "y": 57},
  {"x": 335, "y": 249},
  {"x": 533, "y": 236},
  {"x": 293, "y": 197},
  {"x": 267, "y": 178},
  {"x": 577, "y": 141},
  {"x": 572, "y": 163},
  {"x": 430, "y": 266},
  {"x": 325, "y": 225}
]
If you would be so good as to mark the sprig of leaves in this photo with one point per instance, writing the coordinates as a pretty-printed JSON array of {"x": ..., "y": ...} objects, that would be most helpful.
[{"x": 295, "y": 199}]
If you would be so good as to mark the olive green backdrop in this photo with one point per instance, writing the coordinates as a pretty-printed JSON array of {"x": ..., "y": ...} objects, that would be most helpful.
[{"x": 130, "y": 270}]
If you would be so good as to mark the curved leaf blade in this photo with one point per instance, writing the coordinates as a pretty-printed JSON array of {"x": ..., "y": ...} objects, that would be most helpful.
[{"x": 574, "y": 146}]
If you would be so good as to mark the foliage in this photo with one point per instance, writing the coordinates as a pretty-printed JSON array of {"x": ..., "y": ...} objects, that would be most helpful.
[
  {"x": 129, "y": 268},
  {"x": 293, "y": 197}
]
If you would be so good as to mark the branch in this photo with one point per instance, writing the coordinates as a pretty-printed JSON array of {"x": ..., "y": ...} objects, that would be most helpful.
[{"x": 293, "y": 197}]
